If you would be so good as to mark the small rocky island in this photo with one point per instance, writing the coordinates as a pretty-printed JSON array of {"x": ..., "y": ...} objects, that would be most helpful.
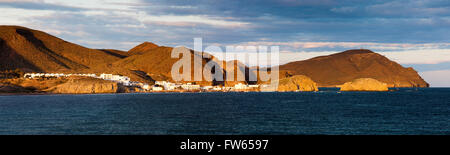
[
  {"x": 364, "y": 84},
  {"x": 297, "y": 83}
]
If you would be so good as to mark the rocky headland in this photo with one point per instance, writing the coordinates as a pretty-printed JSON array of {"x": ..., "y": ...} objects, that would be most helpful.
[
  {"x": 296, "y": 83},
  {"x": 364, "y": 84}
]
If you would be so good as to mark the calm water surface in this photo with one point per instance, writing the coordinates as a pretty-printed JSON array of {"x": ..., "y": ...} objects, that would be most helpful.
[{"x": 406, "y": 111}]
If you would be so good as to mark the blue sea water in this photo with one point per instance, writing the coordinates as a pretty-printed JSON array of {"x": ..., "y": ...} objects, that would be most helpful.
[{"x": 405, "y": 111}]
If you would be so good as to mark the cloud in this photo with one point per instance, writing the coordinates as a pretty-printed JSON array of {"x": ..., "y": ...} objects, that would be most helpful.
[
  {"x": 407, "y": 58},
  {"x": 190, "y": 20},
  {"x": 37, "y": 5},
  {"x": 352, "y": 45},
  {"x": 431, "y": 56},
  {"x": 438, "y": 78},
  {"x": 20, "y": 16}
]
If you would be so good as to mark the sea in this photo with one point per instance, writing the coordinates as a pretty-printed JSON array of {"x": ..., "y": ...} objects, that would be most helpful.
[{"x": 407, "y": 111}]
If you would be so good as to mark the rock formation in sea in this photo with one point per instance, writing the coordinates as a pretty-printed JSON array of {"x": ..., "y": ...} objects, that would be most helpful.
[
  {"x": 297, "y": 83},
  {"x": 364, "y": 84}
]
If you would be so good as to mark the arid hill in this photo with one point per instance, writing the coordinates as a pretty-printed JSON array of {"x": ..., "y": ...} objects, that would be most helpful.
[
  {"x": 142, "y": 48},
  {"x": 36, "y": 51},
  {"x": 336, "y": 69},
  {"x": 155, "y": 63},
  {"x": 117, "y": 53}
]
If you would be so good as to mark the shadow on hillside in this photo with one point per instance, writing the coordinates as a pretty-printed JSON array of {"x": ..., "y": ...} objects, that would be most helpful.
[
  {"x": 143, "y": 75},
  {"x": 39, "y": 44},
  {"x": 10, "y": 59},
  {"x": 113, "y": 53}
]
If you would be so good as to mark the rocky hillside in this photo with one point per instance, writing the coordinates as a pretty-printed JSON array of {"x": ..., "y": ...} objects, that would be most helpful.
[
  {"x": 142, "y": 48},
  {"x": 336, "y": 69},
  {"x": 155, "y": 63},
  {"x": 36, "y": 51}
]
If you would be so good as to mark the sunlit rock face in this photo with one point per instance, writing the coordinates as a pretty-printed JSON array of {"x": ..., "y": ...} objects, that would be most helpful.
[
  {"x": 87, "y": 86},
  {"x": 364, "y": 84},
  {"x": 297, "y": 83}
]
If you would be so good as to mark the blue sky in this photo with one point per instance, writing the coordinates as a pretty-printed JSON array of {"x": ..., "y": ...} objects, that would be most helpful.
[{"x": 412, "y": 32}]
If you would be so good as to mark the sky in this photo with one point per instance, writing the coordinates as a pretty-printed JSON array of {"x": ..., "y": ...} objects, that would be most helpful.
[{"x": 414, "y": 33}]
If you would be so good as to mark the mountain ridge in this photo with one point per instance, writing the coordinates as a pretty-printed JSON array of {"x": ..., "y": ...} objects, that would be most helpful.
[
  {"x": 338, "y": 68},
  {"x": 36, "y": 51}
]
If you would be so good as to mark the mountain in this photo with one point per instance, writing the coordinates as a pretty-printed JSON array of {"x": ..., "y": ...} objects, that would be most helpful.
[
  {"x": 36, "y": 51},
  {"x": 142, "y": 48},
  {"x": 336, "y": 69},
  {"x": 155, "y": 64}
]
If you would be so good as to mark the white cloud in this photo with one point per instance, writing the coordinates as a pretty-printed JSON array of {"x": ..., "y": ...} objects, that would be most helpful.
[
  {"x": 95, "y": 4},
  {"x": 16, "y": 16},
  {"x": 440, "y": 78},
  {"x": 10, "y": 1},
  {"x": 431, "y": 56},
  {"x": 185, "y": 20},
  {"x": 350, "y": 45}
]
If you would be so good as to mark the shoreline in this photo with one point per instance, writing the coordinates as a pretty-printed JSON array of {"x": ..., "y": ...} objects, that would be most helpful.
[{"x": 177, "y": 92}]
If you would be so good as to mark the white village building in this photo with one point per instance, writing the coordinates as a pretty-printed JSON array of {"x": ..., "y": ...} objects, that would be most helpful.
[
  {"x": 240, "y": 86},
  {"x": 190, "y": 86},
  {"x": 117, "y": 78}
]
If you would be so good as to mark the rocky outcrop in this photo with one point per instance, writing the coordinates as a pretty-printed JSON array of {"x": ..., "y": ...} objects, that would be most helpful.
[
  {"x": 296, "y": 83},
  {"x": 87, "y": 86},
  {"x": 9, "y": 88},
  {"x": 364, "y": 84}
]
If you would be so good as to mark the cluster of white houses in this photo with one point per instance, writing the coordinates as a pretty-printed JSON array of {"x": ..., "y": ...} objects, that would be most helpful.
[
  {"x": 50, "y": 75},
  {"x": 169, "y": 86},
  {"x": 159, "y": 85},
  {"x": 126, "y": 81}
]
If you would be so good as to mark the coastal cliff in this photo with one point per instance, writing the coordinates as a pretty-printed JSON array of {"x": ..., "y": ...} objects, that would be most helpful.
[
  {"x": 297, "y": 83},
  {"x": 87, "y": 86},
  {"x": 73, "y": 85},
  {"x": 364, "y": 84}
]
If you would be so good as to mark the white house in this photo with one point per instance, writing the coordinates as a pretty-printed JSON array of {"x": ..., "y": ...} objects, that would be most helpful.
[
  {"x": 217, "y": 88},
  {"x": 146, "y": 87},
  {"x": 156, "y": 88},
  {"x": 240, "y": 86},
  {"x": 207, "y": 87},
  {"x": 121, "y": 79},
  {"x": 190, "y": 86},
  {"x": 253, "y": 86}
]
